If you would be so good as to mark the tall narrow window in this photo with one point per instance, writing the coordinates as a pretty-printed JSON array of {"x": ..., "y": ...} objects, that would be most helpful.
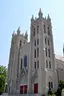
[
  {"x": 45, "y": 41},
  {"x": 37, "y": 52},
  {"x": 34, "y": 65},
  {"x": 21, "y": 63},
  {"x": 38, "y": 64},
  {"x": 51, "y": 84},
  {"x": 49, "y": 52},
  {"x": 34, "y": 32},
  {"x": 49, "y": 64},
  {"x": 37, "y": 29},
  {"x": 48, "y": 31},
  {"x": 37, "y": 41},
  {"x": 46, "y": 51},
  {"x": 46, "y": 64},
  {"x": 48, "y": 42},
  {"x": 25, "y": 61},
  {"x": 44, "y": 29}
]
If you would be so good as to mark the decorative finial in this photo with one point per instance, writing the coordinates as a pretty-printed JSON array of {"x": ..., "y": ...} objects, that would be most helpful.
[
  {"x": 40, "y": 14},
  {"x": 26, "y": 35},
  {"x": 48, "y": 17},
  {"x": 18, "y": 30},
  {"x": 32, "y": 18},
  {"x": 13, "y": 33}
]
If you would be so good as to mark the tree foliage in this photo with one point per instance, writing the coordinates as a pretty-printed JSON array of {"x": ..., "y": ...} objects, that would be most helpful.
[
  {"x": 50, "y": 93},
  {"x": 3, "y": 72},
  {"x": 60, "y": 87}
]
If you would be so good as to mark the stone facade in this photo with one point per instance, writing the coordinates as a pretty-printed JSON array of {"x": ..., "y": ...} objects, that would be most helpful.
[{"x": 33, "y": 67}]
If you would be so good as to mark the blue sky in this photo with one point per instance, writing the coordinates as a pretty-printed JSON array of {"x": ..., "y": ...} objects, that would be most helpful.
[{"x": 14, "y": 13}]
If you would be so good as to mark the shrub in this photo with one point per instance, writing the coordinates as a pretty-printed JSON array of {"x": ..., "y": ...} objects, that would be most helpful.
[
  {"x": 50, "y": 93},
  {"x": 60, "y": 87}
]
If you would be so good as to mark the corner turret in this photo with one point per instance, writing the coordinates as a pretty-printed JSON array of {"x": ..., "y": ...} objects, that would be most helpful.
[
  {"x": 48, "y": 17},
  {"x": 13, "y": 33},
  {"x": 32, "y": 18},
  {"x": 26, "y": 35}
]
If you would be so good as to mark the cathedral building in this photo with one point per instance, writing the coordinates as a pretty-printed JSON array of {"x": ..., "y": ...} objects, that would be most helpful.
[{"x": 33, "y": 67}]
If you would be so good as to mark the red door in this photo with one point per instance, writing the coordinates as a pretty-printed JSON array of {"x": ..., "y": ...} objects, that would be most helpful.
[
  {"x": 36, "y": 88},
  {"x": 21, "y": 89},
  {"x": 25, "y": 89}
]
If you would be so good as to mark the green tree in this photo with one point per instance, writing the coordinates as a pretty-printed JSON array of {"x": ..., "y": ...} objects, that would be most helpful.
[
  {"x": 60, "y": 87},
  {"x": 3, "y": 72},
  {"x": 50, "y": 93}
]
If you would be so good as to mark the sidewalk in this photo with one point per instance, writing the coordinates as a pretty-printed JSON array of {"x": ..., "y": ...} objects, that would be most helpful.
[{"x": 5, "y": 94}]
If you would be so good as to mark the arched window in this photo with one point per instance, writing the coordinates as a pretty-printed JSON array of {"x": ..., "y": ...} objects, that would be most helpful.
[
  {"x": 37, "y": 52},
  {"x": 37, "y": 29},
  {"x": 48, "y": 42},
  {"x": 49, "y": 64},
  {"x": 48, "y": 31},
  {"x": 25, "y": 61},
  {"x": 38, "y": 64},
  {"x": 45, "y": 41},
  {"x": 46, "y": 64},
  {"x": 35, "y": 43},
  {"x": 49, "y": 52},
  {"x": 49, "y": 85},
  {"x": 21, "y": 63},
  {"x": 46, "y": 51},
  {"x": 44, "y": 29}
]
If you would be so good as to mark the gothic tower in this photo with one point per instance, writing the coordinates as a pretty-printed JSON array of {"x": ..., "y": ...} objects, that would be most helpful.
[
  {"x": 17, "y": 42},
  {"x": 42, "y": 55}
]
